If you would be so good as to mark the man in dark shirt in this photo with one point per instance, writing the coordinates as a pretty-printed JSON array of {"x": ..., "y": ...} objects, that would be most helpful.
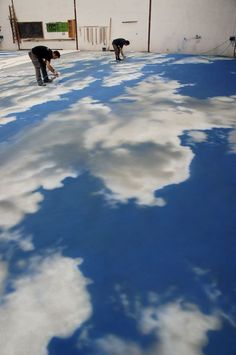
[
  {"x": 41, "y": 57},
  {"x": 118, "y": 44}
]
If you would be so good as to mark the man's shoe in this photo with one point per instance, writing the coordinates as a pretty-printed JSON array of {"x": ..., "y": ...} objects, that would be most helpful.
[
  {"x": 47, "y": 80},
  {"x": 40, "y": 83},
  {"x": 118, "y": 59}
]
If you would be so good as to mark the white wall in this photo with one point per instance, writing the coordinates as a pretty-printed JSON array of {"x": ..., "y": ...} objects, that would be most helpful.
[
  {"x": 37, "y": 11},
  {"x": 5, "y": 29},
  {"x": 114, "y": 14},
  {"x": 174, "y": 24}
]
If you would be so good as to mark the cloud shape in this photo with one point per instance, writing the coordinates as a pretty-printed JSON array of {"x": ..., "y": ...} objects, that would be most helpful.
[
  {"x": 182, "y": 327},
  {"x": 49, "y": 300},
  {"x": 23, "y": 241},
  {"x": 3, "y": 275},
  {"x": 197, "y": 136},
  {"x": 123, "y": 72},
  {"x": 232, "y": 141},
  {"x": 6, "y": 120},
  {"x": 114, "y": 345},
  {"x": 200, "y": 59},
  {"x": 178, "y": 326}
]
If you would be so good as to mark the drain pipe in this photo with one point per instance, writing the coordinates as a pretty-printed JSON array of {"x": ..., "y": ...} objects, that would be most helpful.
[
  {"x": 149, "y": 24},
  {"x": 76, "y": 30}
]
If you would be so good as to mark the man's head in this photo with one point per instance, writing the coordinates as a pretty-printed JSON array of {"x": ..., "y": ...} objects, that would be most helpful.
[
  {"x": 127, "y": 43},
  {"x": 56, "y": 54}
]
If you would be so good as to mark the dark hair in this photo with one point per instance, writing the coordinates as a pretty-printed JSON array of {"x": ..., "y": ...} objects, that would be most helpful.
[
  {"x": 127, "y": 42},
  {"x": 57, "y": 54}
]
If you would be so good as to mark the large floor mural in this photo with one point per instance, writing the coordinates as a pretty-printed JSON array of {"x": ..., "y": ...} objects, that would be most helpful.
[{"x": 118, "y": 205}]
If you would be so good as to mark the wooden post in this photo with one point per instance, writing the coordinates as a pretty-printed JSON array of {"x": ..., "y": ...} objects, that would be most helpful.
[
  {"x": 14, "y": 25},
  {"x": 76, "y": 30},
  {"x": 149, "y": 24},
  {"x": 109, "y": 43}
]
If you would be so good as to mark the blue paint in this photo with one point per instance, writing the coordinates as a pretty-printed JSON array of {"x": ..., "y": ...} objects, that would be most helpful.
[{"x": 143, "y": 249}]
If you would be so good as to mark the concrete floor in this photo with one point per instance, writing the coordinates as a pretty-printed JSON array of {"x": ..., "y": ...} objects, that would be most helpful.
[{"x": 118, "y": 205}]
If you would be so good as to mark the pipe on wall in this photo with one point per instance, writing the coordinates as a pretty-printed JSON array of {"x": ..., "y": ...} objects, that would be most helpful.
[
  {"x": 149, "y": 24},
  {"x": 76, "y": 30}
]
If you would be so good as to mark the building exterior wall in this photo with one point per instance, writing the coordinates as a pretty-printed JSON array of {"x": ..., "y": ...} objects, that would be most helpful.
[{"x": 184, "y": 26}]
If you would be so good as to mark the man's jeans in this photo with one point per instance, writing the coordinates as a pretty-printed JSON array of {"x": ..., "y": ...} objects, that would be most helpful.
[
  {"x": 117, "y": 51},
  {"x": 39, "y": 66}
]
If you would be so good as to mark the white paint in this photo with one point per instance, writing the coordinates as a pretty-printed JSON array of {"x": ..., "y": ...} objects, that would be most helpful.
[
  {"x": 198, "y": 136},
  {"x": 51, "y": 299},
  {"x": 3, "y": 275},
  {"x": 178, "y": 326},
  {"x": 232, "y": 141},
  {"x": 183, "y": 26}
]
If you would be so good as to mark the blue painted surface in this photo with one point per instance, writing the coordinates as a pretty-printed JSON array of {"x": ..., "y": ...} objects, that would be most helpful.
[{"x": 167, "y": 246}]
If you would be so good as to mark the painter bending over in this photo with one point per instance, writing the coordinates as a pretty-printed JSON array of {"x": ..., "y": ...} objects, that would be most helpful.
[
  {"x": 118, "y": 47},
  {"x": 41, "y": 57}
]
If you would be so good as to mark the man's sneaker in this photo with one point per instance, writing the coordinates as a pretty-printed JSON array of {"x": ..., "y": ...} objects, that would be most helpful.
[
  {"x": 40, "y": 83},
  {"x": 118, "y": 59},
  {"x": 47, "y": 80}
]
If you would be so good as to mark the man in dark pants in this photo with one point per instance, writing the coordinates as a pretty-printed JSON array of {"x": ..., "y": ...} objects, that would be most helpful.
[
  {"x": 41, "y": 57},
  {"x": 118, "y": 47}
]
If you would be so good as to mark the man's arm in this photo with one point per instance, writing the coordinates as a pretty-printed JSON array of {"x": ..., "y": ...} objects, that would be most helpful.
[
  {"x": 121, "y": 52},
  {"x": 51, "y": 68}
]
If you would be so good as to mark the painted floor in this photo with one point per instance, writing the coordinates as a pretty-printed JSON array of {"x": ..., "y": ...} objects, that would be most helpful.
[{"x": 118, "y": 206}]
